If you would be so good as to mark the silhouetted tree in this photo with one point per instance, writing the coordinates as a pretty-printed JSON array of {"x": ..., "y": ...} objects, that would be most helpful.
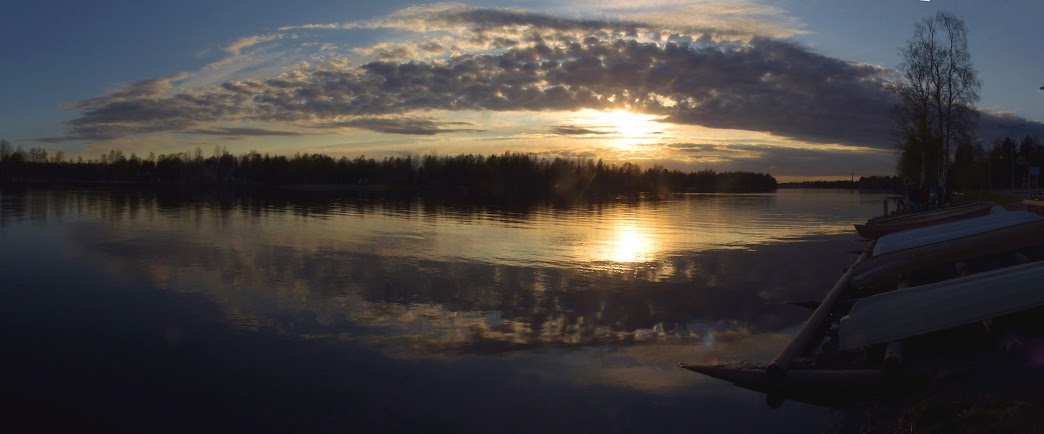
[
  {"x": 964, "y": 172},
  {"x": 937, "y": 91},
  {"x": 5, "y": 150}
]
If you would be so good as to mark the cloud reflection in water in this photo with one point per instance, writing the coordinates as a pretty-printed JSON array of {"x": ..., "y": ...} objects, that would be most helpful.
[{"x": 651, "y": 283}]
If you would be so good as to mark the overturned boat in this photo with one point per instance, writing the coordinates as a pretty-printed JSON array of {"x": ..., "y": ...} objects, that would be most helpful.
[
  {"x": 915, "y": 304},
  {"x": 881, "y": 226}
]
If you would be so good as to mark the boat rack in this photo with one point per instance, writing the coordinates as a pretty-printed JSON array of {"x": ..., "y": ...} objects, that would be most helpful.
[{"x": 822, "y": 364}]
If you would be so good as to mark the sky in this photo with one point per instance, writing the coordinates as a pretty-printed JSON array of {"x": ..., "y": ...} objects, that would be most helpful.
[{"x": 793, "y": 88}]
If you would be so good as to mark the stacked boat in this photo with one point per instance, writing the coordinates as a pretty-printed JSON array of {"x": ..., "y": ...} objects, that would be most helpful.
[
  {"x": 881, "y": 226},
  {"x": 954, "y": 289}
]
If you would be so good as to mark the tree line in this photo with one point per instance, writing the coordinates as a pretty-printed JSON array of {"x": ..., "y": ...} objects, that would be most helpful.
[
  {"x": 935, "y": 118},
  {"x": 1002, "y": 163},
  {"x": 502, "y": 175},
  {"x": 875, "y": 183}
]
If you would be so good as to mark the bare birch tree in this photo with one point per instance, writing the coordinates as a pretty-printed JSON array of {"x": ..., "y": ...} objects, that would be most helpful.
[{"x": 937, "y": 92}]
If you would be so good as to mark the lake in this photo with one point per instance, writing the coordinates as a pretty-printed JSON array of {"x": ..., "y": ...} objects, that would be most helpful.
[{"x": 155, "y": 312}]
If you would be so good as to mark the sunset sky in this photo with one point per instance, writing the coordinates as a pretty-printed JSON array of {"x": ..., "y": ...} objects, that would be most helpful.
[{"x": 793, "y": 88}]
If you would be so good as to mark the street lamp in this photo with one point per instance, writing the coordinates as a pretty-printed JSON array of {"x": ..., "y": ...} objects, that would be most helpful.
[{"x": 1009, "y": 127}]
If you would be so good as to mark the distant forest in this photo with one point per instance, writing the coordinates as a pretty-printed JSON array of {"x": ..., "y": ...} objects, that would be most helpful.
[
  {"x": 877, "y": 183},
  {"x": 498, "y": 176},
  {"x": 1003, "y": 163},
  {"x": 1006, "y": 162}
]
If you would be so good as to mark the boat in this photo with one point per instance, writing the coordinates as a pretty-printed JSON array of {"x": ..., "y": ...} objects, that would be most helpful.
[
  {"x": 898, "y": 218},
  {"x": 899, "y": 318},
  {"x": 951, "y": 230},
  {"x": 876, "y": 228},
  {"x": 949, "y": 258},
  {"x": 905, "y": 313}
]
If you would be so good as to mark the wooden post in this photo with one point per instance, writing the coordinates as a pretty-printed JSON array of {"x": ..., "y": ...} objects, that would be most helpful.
[
  {"x": 884, "y": 202},
  {"x": 893, "y": 360},
  {"x": 803, "y": 339},
  {"x": 1008, "y": 343}
]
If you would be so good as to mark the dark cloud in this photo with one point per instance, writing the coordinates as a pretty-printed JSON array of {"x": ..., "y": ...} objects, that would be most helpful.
[
  {"x": 696, "y": 148},
  {"x": 996, "y": 125},
  {"x": 423, "y": 127},
  {"x": 786, "y": 161},
  {"x": 57, "y": 139},
  {"x": 393, "y": 53},
  {"x": 763, "y": 85},
  {"x": 573, "y": 130},
  {"x": 241, "y": 132},
  {"x": 567, "y": 154}
]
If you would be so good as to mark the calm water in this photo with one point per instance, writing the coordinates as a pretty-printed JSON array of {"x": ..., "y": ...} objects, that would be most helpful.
[{"x": 159, "y": 312}]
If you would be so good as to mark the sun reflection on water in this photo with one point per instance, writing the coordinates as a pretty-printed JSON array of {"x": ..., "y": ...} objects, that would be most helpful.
[{"x": 631, "y": 245}]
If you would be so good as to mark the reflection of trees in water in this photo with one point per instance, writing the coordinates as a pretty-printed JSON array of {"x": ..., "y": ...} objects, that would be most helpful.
[
  {"x": 12, "y": 208},
  {"x": 309, "y": 288},
  {"x": 118, "y": 203}
]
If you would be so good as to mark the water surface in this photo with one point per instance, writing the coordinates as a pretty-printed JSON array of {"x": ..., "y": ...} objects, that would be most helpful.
[{"x": 228, "y": 312}]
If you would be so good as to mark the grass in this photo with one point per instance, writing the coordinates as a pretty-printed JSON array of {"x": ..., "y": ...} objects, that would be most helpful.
[
  {"x": 1010, "y": 200},
  {"x": 984, "y": 413}
]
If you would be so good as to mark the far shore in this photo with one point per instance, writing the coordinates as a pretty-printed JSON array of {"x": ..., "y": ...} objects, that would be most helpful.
[{"x": 333, "y": 188}]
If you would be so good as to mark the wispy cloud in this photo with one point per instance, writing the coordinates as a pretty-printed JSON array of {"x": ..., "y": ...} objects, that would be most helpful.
[
  {"x": 235, "y": 50},
  {"x": 152, "y": 88},
  {"x": 573, "y": 130},
  {"x": 406, "y": 126},
  {"x": 58, "y": 139}
]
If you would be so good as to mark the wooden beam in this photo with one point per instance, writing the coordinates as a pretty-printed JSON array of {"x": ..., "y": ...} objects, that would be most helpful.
[{"x": 804, "y": 337}]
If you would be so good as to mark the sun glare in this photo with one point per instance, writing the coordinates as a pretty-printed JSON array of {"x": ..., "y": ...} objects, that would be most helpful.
[
  {"x": 631, "y": 245},
  {"x": 626, "y": 128}
]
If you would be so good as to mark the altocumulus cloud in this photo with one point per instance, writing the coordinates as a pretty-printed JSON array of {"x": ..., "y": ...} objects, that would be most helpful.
[{"x": 478, "y": 59}]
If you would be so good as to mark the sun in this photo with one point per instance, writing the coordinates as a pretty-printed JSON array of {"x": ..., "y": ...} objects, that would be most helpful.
[
  {"x": 631, "y": 125},
  {"x": 625, "y": 128}
]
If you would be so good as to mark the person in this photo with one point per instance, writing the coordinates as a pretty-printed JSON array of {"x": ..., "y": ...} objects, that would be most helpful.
[{"x": 910, "y": 195}]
